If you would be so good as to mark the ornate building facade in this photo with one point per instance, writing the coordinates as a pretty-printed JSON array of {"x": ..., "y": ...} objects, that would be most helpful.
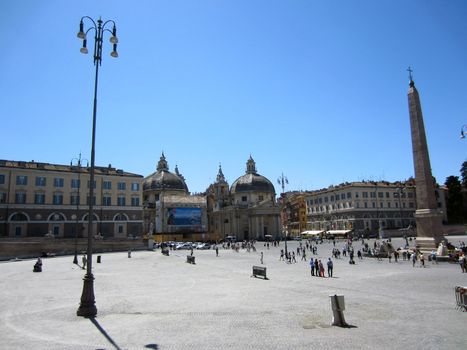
[
  {"x": 247, "y": 210},
  {"x": 170, "y": 212}
]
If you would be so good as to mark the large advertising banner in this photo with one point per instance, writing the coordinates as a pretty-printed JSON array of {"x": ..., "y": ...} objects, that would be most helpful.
[{"x": 184, "y": 216}]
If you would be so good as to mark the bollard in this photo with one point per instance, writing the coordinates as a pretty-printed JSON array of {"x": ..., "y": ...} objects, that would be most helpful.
[
  {"x": 338, "y": 307},
  {"x": 98, "y": 259},
  {"x": 129, "y": 253}
]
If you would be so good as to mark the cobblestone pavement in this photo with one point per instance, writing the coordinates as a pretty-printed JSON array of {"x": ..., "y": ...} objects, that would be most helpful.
[{"x": 151, "y": 301}]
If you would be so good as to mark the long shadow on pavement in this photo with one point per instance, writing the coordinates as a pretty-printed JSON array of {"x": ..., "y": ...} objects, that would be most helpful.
[{"x": 102, "y": 330}]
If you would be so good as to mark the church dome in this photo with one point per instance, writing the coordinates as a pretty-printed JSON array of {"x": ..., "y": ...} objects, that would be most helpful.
[
  {"x": 163, "y": 179},
  {"x": 252, "y": 181}
]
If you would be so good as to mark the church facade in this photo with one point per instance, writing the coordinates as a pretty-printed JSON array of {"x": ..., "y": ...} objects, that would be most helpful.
[
  {"x": 170, "y": 213},
  {"x": 247, "y": 210}
]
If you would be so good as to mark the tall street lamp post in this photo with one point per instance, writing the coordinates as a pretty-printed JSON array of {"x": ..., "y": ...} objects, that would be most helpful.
[
  {"x": 400, "y": 190},
  {"x": 78, "y": 199},
  {"x": 87, "y": 307},
  {"x": 282, "y": 180}
]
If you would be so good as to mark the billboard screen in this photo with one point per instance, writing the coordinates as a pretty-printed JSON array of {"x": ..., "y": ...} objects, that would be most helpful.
[{"x": 184, "y": 216}]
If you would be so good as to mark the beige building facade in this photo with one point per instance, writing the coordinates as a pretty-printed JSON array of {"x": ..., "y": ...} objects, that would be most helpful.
[
  {"x": 365, "y": 207},
  {"x": 38, "y": 199}
]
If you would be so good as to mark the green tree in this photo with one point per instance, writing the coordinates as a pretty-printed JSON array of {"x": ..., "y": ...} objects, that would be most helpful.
[
  {"x": 454, "y": 204},
  {"x": 464, "y": 174}
]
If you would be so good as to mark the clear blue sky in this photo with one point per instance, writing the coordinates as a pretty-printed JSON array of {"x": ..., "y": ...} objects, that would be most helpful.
[{"x": 314, "y": 89}]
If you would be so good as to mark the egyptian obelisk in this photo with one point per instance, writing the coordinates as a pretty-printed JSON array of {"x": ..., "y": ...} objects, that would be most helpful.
[{"x": 427, "y": 216}]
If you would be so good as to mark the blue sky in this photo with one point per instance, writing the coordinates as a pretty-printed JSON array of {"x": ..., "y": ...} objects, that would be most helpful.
[{"x": 314, "y": 89}]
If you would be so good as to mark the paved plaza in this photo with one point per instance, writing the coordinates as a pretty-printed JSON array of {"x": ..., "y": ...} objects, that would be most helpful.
[{"x": 151, "y": 301}]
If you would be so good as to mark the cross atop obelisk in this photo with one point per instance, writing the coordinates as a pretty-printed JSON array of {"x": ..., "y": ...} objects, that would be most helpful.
[{"x": 427, "y": 215}]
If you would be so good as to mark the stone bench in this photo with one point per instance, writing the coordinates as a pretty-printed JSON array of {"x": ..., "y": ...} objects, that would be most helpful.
[
  {"x": 190, "y": 259},
  {"x": 259, "y": 271}
]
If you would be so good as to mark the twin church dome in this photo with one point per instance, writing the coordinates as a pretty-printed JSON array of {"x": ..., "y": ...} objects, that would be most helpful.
[{"x": 163, "y": 179}]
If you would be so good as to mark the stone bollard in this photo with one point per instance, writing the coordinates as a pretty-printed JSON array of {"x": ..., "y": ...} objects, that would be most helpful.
[{"x": 338, "y": 307}]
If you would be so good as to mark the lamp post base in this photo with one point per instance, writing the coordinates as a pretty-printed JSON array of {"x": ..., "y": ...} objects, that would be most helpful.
[{"x": 87, "y": 307}]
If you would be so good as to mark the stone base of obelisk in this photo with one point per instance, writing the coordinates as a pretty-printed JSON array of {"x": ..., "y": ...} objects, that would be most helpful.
[{"x": 429, "y": 229}]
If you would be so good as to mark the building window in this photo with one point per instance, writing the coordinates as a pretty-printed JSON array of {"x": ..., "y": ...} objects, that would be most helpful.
[
  {"x": 20, "y": 197},
  {"x": 21, "y": 180},
  {"x": 93, "y": 184},
  {"x": 58, "y": 199},
  {"x": 120, "y": 228},
  {"x": 325, "y": 199},
  {"x": 411, "y": 205},
  {"x": 260, "y": 198},
  {"x": 387, "y": 194},
  {"x": 380, "y": 194},
  {"x": 389, "y": 204},
  {"x": 349, "y": 195},
  {"x": 2, "y": 197},
  {"x": 2, "y": 179},
  {"x": 40, "y": 181},
  {"x": 244, "y": 199},
  {"x": 374, "y": 204},
  {"x": 39, "y": 198},
  {"x": 410, "y": 194},
  {"x": 332, "y": 199},
  {"x": 135, "y": 186},
  {"x": 397, "y": 205},
  {"x": 106, "y": 200},
  {"x": 93, "y": 200},
  {"x": 381, "y": 204},
  {"x": 403, "y": 204},
  {"x": 342, "y": 195},
  {"x": 58, "y": 182},
  {"x": 357, "y": 204},
  {"x": 107, "y": 185},
  {"x": 75, "y": 183},
  {"x": 135, "y": 201},
  {"x": 121, "y": 201},
  {"x": 74, "y": 199},
  {"x": 121, "y": 186}
]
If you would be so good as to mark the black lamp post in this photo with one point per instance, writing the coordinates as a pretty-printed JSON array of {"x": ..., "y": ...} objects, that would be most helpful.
[
  {"x": 282, "y": 180},
  {"x": 400, "y": 190},
  {"x": 87, "y": 307},
  {"x": 78, "y": 199}
]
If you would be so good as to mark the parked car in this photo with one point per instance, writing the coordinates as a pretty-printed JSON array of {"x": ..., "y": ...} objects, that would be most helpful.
[{"x": 203, "y": 246}]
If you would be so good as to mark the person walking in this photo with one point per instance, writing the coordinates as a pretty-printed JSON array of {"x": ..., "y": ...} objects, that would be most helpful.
[
  {"x": 261, "y": 258},
  {"x": 316, "y": 267},
  {"x": 217, "y": 251},
  {"x": 422, "y": 260},
  {"x": 293, "y": 257},
  {"x": 312, "y": 266},
  {"x": 414, "y": 258},
  {"x": 84, "y": 260},
  {"x": 330, "y": 267},
  {"x": 304, "y": 255}
]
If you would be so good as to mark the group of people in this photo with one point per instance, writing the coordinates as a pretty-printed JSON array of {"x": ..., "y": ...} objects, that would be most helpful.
[{"x": 317, "y": 267}]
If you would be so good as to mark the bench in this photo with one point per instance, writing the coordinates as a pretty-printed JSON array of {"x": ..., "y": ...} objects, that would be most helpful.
[
  {"x": 165, "y": 252},
  {"x": 190, "y": 259},
  {"x": 461, "y": 298},
  {"x": 259, "y": 271}
]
